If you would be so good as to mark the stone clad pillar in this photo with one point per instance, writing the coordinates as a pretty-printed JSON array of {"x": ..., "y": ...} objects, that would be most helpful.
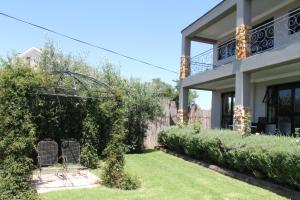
[
  {"x": 241, "y": 118},
  {"x": 185, "y": 58},
  {"x": 184, "y": 72},
  {"x": 184, "y": 67},
  {"x": 242, "y": 42},
  {"x": 183, "y": 106},
  {"x": 243, "y": 29}
]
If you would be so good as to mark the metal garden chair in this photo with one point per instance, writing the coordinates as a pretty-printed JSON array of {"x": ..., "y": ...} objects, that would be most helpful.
[
  {"x": 47, "y": 154},
  {"x": 70, "y": 150}
]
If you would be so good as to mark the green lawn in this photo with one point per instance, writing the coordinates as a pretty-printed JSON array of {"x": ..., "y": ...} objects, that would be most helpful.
[{"x": 167, "y": 177}]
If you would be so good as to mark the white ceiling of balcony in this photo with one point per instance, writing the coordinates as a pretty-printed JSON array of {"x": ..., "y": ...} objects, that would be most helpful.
[
  {"x": 226, "y": 25},
  {"x": 221, "y": 28},
  {"x": 222, "y": 84},
  {"x": 262, "y": 8},
  {"x": 276, "y": 72}
]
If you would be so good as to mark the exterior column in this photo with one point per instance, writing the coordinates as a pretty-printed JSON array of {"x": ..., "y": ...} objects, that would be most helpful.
[
  {"x": 184, "y": 72},
  {"x": 243, "y": 29},
  {"x": 185, "y": 58},
  {"x": 241, "y": 118},
  {"x": 183, "y": 105},
  {"x": 216, "y": 110}
]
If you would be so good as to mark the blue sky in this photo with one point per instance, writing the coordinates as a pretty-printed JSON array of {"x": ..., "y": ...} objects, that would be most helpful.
[{"x": 148, "y": 30}]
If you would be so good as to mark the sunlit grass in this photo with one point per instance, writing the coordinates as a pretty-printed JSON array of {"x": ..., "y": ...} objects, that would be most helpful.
[{"x": 165, "y": 177}]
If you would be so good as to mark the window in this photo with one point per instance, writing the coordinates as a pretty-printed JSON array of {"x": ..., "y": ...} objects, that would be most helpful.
[
  {"x": 285, "y": 101},
  {"x": 262, "y": 37},
  {"x": 226, "y": 50},
  {"x": 228, "y": 100},
  {"x": 297, "y": 100},
  {"x": 271, "y": 100},
  {"x": 28, "y": 60},
  {"x": 283, "y": 107},
  {"x": 294, "y": 21}
]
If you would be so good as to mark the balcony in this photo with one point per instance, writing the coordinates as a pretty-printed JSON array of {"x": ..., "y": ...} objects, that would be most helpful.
[
  {"x": 271, "y": 35},
  {"x": 213, "y": 58}
]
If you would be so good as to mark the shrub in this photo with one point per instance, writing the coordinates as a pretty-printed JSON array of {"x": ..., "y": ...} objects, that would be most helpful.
[
  {"x": 130, "y": 182},
  {"x": 113, "y": 171},
  {"x": 89, "y": 157},
  {"x": 270, "y": 157},
  {"x": 17, "y": 132}
]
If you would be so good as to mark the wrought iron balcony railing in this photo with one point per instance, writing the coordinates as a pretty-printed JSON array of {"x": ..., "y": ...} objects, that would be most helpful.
[
  {"x": 275, "y": 33},
  {"x": 215, "y": 57},
  {"x": 202, "y": 62},
  {"x": 272, "y": 34}
]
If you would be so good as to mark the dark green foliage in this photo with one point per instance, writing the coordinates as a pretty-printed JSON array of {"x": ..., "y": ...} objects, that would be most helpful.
[
  {"x": 58, "y": 118},
  {"x": 97, "y": 125},
  {"x": 130, "y": 182},
  {"x": 113, "y": 173},
  {"x": 269, "y": 157},
  {"x": 17, "y": 132},
  {"x": 88, "y": 156}
]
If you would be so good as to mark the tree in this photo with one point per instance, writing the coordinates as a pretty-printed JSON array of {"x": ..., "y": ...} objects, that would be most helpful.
[
  {"x": 142, "y": 105},
  {"x": 168, "y": 91}
]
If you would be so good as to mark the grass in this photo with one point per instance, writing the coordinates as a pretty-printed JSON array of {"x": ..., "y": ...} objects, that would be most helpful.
[{"x": 165, "y": 177}]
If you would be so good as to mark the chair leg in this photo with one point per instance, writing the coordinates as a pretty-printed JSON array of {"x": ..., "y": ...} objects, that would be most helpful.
[{"x": 40, "y": 173}]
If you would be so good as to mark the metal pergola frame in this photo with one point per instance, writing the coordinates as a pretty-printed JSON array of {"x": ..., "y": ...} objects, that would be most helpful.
[{"x": 79, "y": 81}]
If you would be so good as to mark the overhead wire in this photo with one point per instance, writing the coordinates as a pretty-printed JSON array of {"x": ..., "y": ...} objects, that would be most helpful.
[{"x": 88, "y": 43}]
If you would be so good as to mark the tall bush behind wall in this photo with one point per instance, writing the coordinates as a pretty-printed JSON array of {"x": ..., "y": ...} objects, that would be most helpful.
[{"x": 142, "y": 104}]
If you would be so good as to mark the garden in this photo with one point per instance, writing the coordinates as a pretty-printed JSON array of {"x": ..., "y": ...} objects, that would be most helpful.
[
  {"x": 165, "y": 177},
  {"x": 63, "y": 98}
]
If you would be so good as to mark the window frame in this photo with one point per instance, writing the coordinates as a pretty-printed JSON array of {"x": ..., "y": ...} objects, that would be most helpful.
[{"x": 223, "y": 115}]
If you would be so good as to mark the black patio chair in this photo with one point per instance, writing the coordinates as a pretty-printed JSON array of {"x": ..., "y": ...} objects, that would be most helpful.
[
  {"x": 70, "y": 150},
  {"x": 47, "y": 153}
]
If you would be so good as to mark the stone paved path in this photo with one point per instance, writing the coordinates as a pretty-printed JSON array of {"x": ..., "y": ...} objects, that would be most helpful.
[{"x": 53, "y": 182}]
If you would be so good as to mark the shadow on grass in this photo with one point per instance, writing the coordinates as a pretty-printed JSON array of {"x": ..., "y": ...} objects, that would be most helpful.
[
  {"x": 143, "y": 152},
  {"x": 149, "y": 150}
]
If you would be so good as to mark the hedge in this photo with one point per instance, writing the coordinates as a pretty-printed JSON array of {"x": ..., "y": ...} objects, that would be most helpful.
[
  {"x": 17, "y": 132},
  {"x": 268, "y": 157}
]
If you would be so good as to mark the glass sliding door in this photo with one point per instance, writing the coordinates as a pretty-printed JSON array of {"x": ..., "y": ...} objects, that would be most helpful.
[
  {"x": 296, "y": 117},
  {"x": 227, "y": 110},
  {"x": 284, "y": 107}
]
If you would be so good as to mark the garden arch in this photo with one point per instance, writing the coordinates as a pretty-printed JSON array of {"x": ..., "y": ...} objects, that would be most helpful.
[{"x": 79, "y": 100}]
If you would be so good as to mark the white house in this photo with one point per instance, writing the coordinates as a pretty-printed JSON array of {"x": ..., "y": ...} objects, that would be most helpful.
[{"x": 31, "y": 56}]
